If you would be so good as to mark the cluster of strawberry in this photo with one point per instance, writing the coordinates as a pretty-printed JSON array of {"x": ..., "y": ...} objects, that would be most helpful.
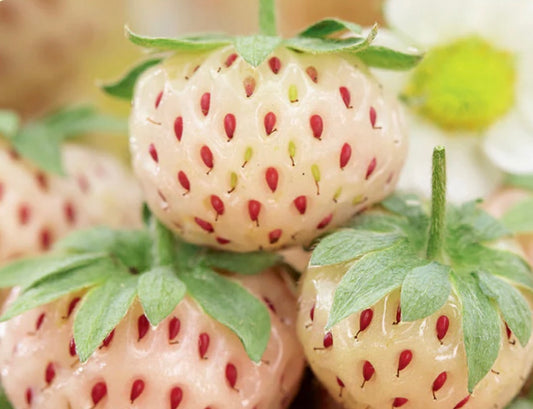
[{"x": 247, "y": 148}]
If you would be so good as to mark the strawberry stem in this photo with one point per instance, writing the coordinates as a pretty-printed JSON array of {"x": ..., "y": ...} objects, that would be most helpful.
[
  {"x": 267, "y": 17},
  {"x": 438, "y": 204},
  {"x": 163, "y": 244}
]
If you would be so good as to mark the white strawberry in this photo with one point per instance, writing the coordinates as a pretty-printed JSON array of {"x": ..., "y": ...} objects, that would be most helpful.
[
  {"x": 248, "y": 158},
  {"x": 188, "y": 361},
  {"x": 383, "y": 326}
]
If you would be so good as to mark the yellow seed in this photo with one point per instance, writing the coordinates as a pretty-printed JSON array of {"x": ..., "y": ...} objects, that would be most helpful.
[
  {"x": 357, "y": 199},
  {"x": 293, "y": 93},
  {"x": 337, "y": 194},
  {"x": 248, "y": 154},
  {"x": 292, "y": 149},
  {"x": 233, "y": 180},
  {"x": 316, "y": 172}
]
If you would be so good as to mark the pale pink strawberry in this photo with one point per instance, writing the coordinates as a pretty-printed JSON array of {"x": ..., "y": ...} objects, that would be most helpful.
[
  {"x": 247, "y": 158},
  {"x": 188, "y": 361},
  {"x": 371, "y": 361},
  {"x": 37, "y": 208}
]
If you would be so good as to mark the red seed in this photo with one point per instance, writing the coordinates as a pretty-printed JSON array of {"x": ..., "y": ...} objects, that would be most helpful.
[
  {"x": 153, "y": 153},
  {"x": 83, "y": 183},
  {"x": 29, "y": 396},
  {"x": 218, "y": 204},
  {"x": 462, "y": 403},
  {"x": 184, "y": 181},
  {"x": 143, "y": 325},
  {"x": 508, "y": 331},
  {"x": 24, "y": 214},
  {"x": 39, "y": 321},
  {"x": 443, "y": 323},
  {"x": 231, "y": 375},
  {"x": 205, "y": 225},
  {"x": 203, "y": 344},
  {"x": 274, "y": 236},
  {"x": 439, "y": 381},
  {"x": 205, "y": 102},
  {"x": 346, "y": 154},
  {"x": 230, "y": 60},
  {"x": 373, "y": 117},
  {"x": 136, "y": 389},
  {"x": 176, "y": 395},
  {"x": 45, "y": 239},
  {"x": 98, "y": 392},
  {"x": 340, "y": 382},
  {"x": 222, "y": 240},
  {"x": 207, "y": 156},
  {"x": 399, "y": 402},
  {"x": 328, "y": 340},
  {"x": 269, "y": 304},
  {"x": 49, "y": 373},
  {"x": 42, "y": 180},
  {"x": 229, "y": 125},
  {"x": 249, "y": 86},
  {"x": 70, "y": 212},
  {"x": 368, "y": 371},
  {"x": 301, "y": 204},
  {"x": 405, "y": 359},
  {"x": 72, "y": 305},
  {"x": 178, "y": 127},
  {"x": 317, "y": 126},
  {"x": 272, "y": 177},
  {"x": 72, "y": 347},
  {"x": 371, "y": 168},
  {"x": 173, "y": 328},
  {"x": 254, "y": 208},
  {"x": 158, "y": 99},
  {"x": 312, "y": 312},
  {"x": 107, "y": 340},
  {"x": 365, "y": 319},
  {"x": 325, "y": 221},
  {"x": 270, "y": 123},
  {"x": 275, "y": 64},
  {"x": 345, "y": 95},
  {"x": 398, "y": 314},
  {"x": 313, "y": 74}
]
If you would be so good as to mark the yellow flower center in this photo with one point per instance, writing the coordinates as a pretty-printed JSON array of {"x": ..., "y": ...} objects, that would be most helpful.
[{"x": 465, "y": 85}]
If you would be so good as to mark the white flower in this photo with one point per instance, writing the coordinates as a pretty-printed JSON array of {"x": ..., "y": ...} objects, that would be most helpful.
[{"x": 473, "y": 93}]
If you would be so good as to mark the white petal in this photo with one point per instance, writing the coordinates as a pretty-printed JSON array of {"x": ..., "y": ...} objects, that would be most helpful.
[
  {"x": 509, "y": 144},
  {"x": 469, "y": 174}
]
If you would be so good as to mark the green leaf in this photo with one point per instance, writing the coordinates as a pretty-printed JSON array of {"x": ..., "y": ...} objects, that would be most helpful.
[
  {"x": 242, "y": 263},
  {"x": 123, "y": 88},
  {"x": 425, "y": 290},
  {"x": 267, "y": 17},
  {"x": 190, "y": 43},
  {"x": 41, "y": 145},
  {"x": 350, "y": 244},
  {"x": 160, "y": 291},
  {"x": 9, "y": 123},
  {"x": 328, "y": 45},
  {"x": 186, "y": 255},
  {"x": 520, "y": 403},
  {"x": 378, "y": 222},
  {"x": 75, "y": 121},
  {"x": 370, "y": 279},
  {"x": 4, "y": 402},
  {"x": 330, "y": 26},
  {"x": 521, "y": 181},
  {"x": 25, "y": 272},
  {"x": 512, "y": 304},
  {"x": 132, "y": 247},
  {"x": 53, "y": 287},
  {"x": 255, "y": 49},
  {"x": 386, "y": 58},
  {"x": 100, "y": 312},
  {"x": 481, "y": 328},
  {"x": 519, "y": 218},
  {"x": 232, "y": 305}
]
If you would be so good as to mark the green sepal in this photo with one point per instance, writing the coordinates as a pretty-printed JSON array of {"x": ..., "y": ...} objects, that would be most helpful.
[
  {"x": 233, "y": 306},
  {"x": 350, "y": 244},
  {"x": 255, "y": 49},
  {"x": 519, "y": 218},
  {"x": 132, "y": 247},
  {"x": 124, "y": 87},
  {"x": 520, "y": 181},
  {"x": 370, "y": 279},
  {"x": 267, "y": 17},
  {"x": 101, "y": 311},
  {"x": 27, "y": 271},
  {"x": 383, "y": 57},
  {"x": 329, "y": 26},
  {"x": 481, "y": 328},
  {"x": 4, "y": 402},
  {"x": 242, "y": 263},
  {"x": 160, "y": 291},
  {"x": 9, "y": 123},
  {"x": 53, "y": 287},
  {"x": 425, "y": 290},
  {"x": 520, "y": 403},
  {"x": 190, "y": 43},
  {"x": 377, "y": 221},
  {"x": 512, "y": 304}
]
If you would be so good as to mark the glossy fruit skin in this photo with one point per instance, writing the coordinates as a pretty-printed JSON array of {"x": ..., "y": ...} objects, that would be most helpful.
[
  {"x": 287, "y": 156},
  {"x": 164, "y": 358},
  {"x": 382, "y": 344}
]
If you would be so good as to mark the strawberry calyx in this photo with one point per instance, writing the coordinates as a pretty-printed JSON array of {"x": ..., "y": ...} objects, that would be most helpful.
[
  {"x": 111, "y": 268},
  {"x": 431, "y": 257},
  {"x": 519, "y": 217},
  {"x": 40, "y": 140}
]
